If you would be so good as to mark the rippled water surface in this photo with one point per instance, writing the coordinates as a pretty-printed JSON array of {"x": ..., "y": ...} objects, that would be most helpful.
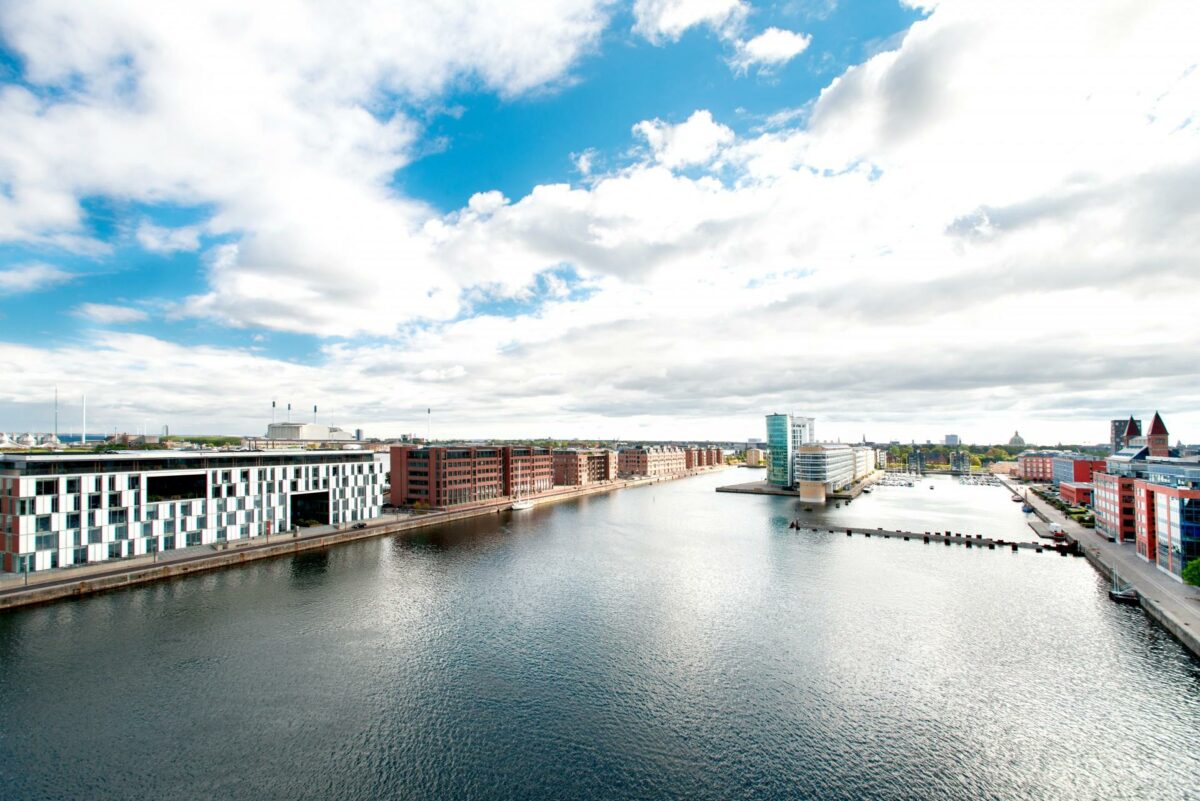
[{"x": 662, "y": 642}]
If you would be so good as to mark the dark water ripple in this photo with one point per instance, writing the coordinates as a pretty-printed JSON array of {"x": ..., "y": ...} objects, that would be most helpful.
[{"x": 666, "y": 642}]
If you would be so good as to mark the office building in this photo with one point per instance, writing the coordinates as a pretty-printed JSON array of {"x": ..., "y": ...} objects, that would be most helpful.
[
  {"x": 1074, "y": 467},
  {"x": 951, "y": 439},
  {"x": 652, "y": 460},
  {"x": 1122, "y": 431},
  {"x": 1076, "y": 493},
  {"x": 579, "y": 468},
  {"x": 461, "y": 475},
  {"x": 823, "y": 468},
  {"x": 779, "y": 450},
  {"x": 58, "y": 510}
]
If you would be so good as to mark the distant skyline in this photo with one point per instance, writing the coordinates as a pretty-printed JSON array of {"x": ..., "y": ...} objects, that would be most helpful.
[{"x": 659, "y": 219}]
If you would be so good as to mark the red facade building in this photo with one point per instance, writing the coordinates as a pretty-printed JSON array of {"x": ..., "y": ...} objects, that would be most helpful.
[
  {"x": 578, "y": 468},
  {"x": 439, "y": 477},
  {"x": 1036, "y": 465},
  {"x": 1112, "y": 501},
  {"x": 1076, "y": 493}
]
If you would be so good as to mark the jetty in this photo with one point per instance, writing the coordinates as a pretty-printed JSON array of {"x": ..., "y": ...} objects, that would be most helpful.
[{"x": 947, "y": 538}]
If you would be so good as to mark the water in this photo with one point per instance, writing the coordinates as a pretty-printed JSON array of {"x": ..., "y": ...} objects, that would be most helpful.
[{"x": 663, "y": 642}]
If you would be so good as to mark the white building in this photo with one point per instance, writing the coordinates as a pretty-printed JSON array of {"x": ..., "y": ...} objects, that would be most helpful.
[
  {"x": 68, "y": 509},
  {"x": 864, "y": 461},
  {"x": 306, "y": 431}
]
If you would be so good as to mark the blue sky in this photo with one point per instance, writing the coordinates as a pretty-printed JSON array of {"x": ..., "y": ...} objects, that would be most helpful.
[{"x": 573, "y": 220}]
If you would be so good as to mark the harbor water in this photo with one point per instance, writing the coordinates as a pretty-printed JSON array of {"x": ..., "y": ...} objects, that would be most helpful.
[{"x": 659, "y": 642}]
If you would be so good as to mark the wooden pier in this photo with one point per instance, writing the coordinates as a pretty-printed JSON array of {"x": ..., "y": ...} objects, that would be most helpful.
[{"x": 947, "y": 538}]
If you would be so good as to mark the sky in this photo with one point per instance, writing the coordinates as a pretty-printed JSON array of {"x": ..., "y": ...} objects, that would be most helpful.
[{"x": 582, "y": 218}]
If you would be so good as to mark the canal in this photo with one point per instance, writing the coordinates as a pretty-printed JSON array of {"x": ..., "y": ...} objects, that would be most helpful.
[{"x": 660, "y": 642}]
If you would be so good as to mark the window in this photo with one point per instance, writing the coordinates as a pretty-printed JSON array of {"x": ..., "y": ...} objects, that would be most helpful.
[
  {"x": 135, "y": 483},
  {"x": 94, "y": 501},
  {"x": 114, "y": 499},
  {"x": 118, "y": 516},
  {"x": 73, "y": 520},
  {"x": 112, "y": 483},
  {"x": 169, "y": 543},
  {"x": 95, "y": 536},
  {"x": 193, "y": 538},
  {"x": 169, "y": 527},
  {"x": 47, "y": 486},
  {"x": 81, "y": 556},
  {"x": 119, "y": 533},
  {"x": 45, "y": 542},
  {"x": 114, "y": 550},
  {"x": 42, "y": 523},
  {"x": 72, "y": 485}
]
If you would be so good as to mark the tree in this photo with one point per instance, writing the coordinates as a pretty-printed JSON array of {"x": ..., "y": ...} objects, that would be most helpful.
[{"x": 1191, "y": 572}]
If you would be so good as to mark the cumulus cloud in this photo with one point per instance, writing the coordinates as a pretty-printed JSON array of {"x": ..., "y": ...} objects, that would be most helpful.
[
  {"x": 897, "y": 255},
  {"x": 696, "y": 141},
  {"x": 107, "y": 314},
  {"x": 32, "y": 278},
  {"x": 666, "y": 20},
  {"x": 773, "y": 47}
]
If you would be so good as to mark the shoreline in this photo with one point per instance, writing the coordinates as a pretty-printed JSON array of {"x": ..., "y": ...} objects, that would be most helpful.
[{"x": 95, "y": 578}]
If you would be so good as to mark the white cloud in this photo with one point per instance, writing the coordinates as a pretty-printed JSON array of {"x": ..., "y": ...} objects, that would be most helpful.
[
  {"x": 157, "y": 239},
  {"x": 660, "y": 20},
  {"x": 696, "y": 141},
  {"x": 106, "y": 314},
  {"x": 899, "y": 257},
  {"x": 277, "y": 118},
  {"x": 771, "y": 48},
  {"x": 32, "y": 278}
]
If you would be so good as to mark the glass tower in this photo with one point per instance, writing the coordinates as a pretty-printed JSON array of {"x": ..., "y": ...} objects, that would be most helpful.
[{"x": 779, "y": 443}]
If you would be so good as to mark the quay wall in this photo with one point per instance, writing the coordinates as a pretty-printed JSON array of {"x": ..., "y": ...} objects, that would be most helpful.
[{"x": 102, "y": 577}]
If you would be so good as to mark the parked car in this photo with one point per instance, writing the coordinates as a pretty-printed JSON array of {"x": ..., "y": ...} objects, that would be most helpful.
[{"x": 359, "y": 525}]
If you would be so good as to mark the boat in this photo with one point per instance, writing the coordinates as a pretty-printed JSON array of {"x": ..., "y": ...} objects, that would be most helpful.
[
  {"x": 1121, "y": 592},
  {"x": 519, "y": 505},
  {"x": 1016, "y": 499},
  {"x": 1026, "y": 508}
]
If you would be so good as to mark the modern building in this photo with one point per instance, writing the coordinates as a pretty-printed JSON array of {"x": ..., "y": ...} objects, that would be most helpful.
[
  {"x": 1076, "y": 493},
  {"x": 755, "y": 457},
  {"x": 915, "y": 461},
  {"x": 306, "y": 431},
  {"x": 70, "y": 509},
  {"x": 960, "y": 461},
  {"x": 579, "y": 468},
  {"x": 951, "y": 439},
  {"x": 460, "y": 475},
  {"x": 823, "y": 468},
  {"x": 652, "y": 460},
  {"x": 785, "y": 434},
  {"x": 1074, "y": 467},
  {"x": 1151, "y": 496},
  {"x": 779, "y": 450}
]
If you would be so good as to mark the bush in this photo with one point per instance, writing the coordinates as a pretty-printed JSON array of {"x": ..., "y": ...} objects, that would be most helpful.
[{"x": 1191, "y": 572}]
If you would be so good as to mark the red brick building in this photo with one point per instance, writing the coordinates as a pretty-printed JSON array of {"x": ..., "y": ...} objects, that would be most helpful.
[
  {"x": 578, "y": 468},
  {"x": 658, "y": 460},
  {"x": 439, "y": 477},
  {"x": 1036, "y": 465}
]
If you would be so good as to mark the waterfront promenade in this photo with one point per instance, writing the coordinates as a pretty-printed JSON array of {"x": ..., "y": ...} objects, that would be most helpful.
[
  {"x": 54, "y": 585},
  {"x": 1173, "y": 604}
]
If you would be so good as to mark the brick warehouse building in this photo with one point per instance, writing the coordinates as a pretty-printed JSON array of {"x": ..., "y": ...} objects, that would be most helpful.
[
  {"x": 443, "y": 476},
  {"x": 578, "y": 467},
  {"x": 657, "y": 460}
]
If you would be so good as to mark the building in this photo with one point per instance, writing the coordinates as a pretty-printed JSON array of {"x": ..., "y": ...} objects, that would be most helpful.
[
  {"x": 779, "y": 450},
  {"x": 823, "y": 468},
  {"x": 655, "y": 460},
  {"x": 1036, "y": 465},
  {"x": 1122, "y": 431},
  {"x": 785, "y": 434},
  {"x": 579, "y": 468},
  {"x": 915, "y": 461},
  {"x": 864, "y": 461},
  {"x": 58, "y": 510},
  {"x": 306, "y": 431},
  {"x": 459, "y": 475},
  {"x": 755, "y": 457},
  {"x": 960, "y": 462},
  {"x": 951, "y": 439},
  {"x": 1112, "y": 501},
  {"x": 1076, "y": 493},
  {"x": 1074, "y": 467},
  {"x": 1017, "y": 440},
  {"x": 1151, "y": 496}
]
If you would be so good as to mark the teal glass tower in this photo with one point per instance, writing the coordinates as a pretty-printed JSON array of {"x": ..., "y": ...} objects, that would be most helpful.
[{"x": 779, "y": 443}]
